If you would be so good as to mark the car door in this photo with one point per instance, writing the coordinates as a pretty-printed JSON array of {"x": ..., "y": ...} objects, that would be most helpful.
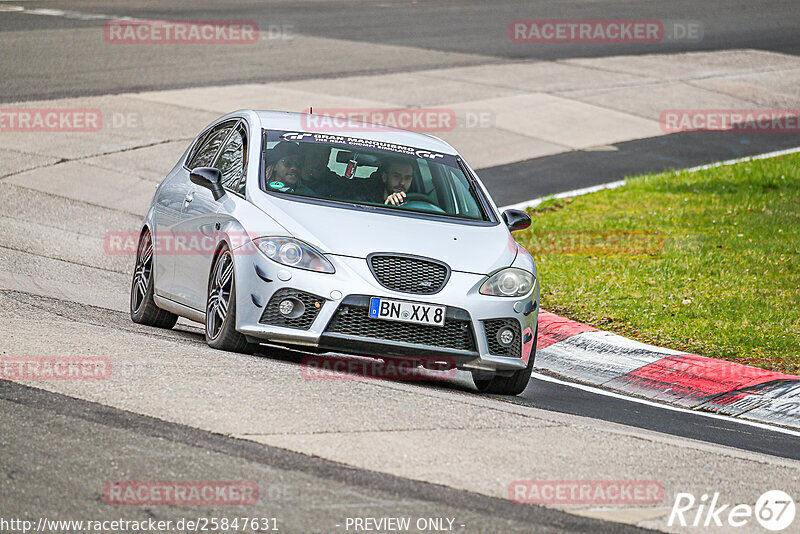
[
  {"x": 195, "y": 233},
  {"x": 168, "y": 206},
  {"x": 230, "y": 161}
]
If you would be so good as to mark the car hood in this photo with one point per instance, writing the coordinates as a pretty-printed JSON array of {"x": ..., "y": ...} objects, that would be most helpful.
[{"x": 358, "y": 233}]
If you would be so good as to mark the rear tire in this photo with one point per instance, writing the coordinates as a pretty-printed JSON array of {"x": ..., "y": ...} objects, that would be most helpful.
[
  {"x": 513, "y": 384},
  {"x": 143, "y": 307},
  {"x": 221, "y": 308}
]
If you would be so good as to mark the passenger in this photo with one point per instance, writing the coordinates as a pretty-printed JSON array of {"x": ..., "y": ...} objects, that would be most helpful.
[
  {"x": 283, "y": 172},
  {"x": 315, "y": 173}
]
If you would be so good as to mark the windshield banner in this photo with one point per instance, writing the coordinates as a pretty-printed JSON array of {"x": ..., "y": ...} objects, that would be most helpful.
[{"x": 354, "y": 143}]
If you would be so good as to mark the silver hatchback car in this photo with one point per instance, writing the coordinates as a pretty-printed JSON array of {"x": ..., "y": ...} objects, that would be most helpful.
[{"x": 363, "y": 240}]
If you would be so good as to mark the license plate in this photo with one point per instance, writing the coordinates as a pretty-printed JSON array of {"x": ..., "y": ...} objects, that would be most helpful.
[{"x": 407, "y": 312}]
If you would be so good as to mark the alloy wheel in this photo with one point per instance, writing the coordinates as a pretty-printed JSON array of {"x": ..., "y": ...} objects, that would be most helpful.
[
  {"x": 219, "y": 295},
  {"x": 143, "y": 271}
]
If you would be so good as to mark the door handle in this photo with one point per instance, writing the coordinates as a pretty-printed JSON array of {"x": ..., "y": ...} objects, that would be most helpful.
[{"x": 189, "y": 197}]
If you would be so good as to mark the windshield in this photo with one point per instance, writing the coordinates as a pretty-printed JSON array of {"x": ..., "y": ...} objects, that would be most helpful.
[{"x": 371, "y": 173}]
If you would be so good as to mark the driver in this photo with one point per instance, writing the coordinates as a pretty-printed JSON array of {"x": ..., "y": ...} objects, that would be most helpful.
[{"x": 397, "y": 175}]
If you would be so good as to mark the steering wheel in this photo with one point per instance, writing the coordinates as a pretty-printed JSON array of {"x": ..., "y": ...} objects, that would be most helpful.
[
  {"x": 421, "y": 202},
  {"x": 418, "y": 197}
]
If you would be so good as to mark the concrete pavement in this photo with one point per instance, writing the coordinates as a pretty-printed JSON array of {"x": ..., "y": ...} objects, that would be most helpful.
[{"x": 519, "y": 110}]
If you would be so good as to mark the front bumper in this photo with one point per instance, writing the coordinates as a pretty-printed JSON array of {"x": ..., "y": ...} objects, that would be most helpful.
[{"x": 336, "y": 307}]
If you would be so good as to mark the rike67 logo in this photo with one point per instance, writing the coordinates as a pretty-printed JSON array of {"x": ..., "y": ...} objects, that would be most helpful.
[{"x": 774, "y": 510}]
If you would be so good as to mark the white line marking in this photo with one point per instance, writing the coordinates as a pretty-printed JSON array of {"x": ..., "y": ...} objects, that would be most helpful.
[
  {"x": 75, "y": 15},
  {"x": 598, "y": 391},
  {"x": 746, "y": 158},
  {"x": 69, "y": 14},
  {"x": 574, "y": 193},
  {"x": 612, "y": 185}
]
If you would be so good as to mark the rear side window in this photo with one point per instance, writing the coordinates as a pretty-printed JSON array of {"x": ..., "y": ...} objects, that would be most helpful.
[
  {"x": 209, "y": 144},
  {"x": 231, "y": 161}
]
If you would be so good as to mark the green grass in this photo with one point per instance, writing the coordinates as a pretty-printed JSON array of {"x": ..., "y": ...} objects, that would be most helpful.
[{"x": 704, "y": 262}]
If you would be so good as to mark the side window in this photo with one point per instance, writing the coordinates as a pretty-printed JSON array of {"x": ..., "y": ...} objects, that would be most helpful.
[
  {"x": 231, "y": 161},
  {"x": 201, "y": 140},
  {"x": 208, "y": 146}
]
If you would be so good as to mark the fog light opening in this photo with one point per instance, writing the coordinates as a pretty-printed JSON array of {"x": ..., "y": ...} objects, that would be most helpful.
[
  {"x": 286, "y": 307},
  {"x": 505, "y": 336},
  {"x": 291, "y": 308}
]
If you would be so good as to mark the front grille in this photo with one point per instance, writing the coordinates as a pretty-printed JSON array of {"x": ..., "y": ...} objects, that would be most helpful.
[
  {"x": 492, "y": 327},
  {"x": 409, "y": 274},
  {"x": 352, "y": 320},
  {"x": 273, "y": 316}
]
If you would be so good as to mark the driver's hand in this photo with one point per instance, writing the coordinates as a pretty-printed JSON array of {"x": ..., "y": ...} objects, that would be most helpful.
[{"x": 395, "y": 199}]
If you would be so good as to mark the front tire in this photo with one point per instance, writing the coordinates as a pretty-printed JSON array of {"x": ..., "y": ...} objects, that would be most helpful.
[
  {"x": 513, "y": 384},
  {"x": 143, "y": 307},
  {"x": 221, "y": 308}
]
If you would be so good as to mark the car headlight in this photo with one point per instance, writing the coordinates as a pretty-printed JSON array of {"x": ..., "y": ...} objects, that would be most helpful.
[
  {"x": 511, "y": 282},
  {"x": 294, "y": 253}
]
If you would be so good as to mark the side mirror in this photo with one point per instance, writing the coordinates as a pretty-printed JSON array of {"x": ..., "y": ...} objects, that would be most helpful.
[
  {"x": 210, "y": 178},
  {"x": 516, "y": 219}
]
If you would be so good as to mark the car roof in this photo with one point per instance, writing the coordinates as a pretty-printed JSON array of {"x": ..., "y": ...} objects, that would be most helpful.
[{"x": 300, "y": 122}]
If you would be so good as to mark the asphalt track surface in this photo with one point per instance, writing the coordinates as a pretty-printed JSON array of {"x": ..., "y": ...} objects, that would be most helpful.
[
  {"x": 89, "y": 442},
  {"x": 585, "y": 168},
  {"x": 473, "y": 32}
]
